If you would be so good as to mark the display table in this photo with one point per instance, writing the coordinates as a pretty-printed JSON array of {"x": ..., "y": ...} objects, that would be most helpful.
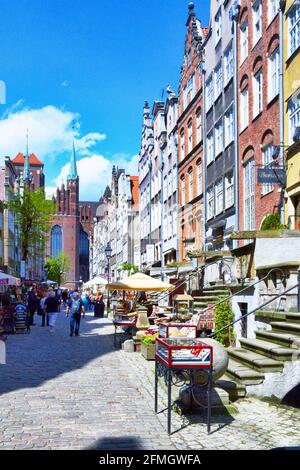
[
  {"x": 124, "y": 321},
  {"x": 173, "y": 356}
]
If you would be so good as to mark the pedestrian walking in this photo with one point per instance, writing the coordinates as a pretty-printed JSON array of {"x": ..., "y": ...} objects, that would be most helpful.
[
  {"x": 98, "y": 305},
  {"x": 75, "y": 308},
  {"x": 32, "y": 304},
  {"x": 43, "y": 310},
  {"x": 52, "y": 307}
]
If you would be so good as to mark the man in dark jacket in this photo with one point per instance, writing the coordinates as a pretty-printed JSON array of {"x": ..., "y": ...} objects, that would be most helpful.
[{"x": 32, "y": 304}]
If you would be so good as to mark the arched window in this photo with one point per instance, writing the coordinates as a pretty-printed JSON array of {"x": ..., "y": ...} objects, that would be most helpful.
[
  {"x": 84, "y": 245},
  {"x": 56, "y": 241}
]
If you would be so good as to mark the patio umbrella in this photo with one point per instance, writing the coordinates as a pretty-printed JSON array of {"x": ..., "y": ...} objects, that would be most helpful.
[
  {"x": 97, "y": 281},
  {"x": 7, "y": 280},
  {"x": 140, "y": 282}
]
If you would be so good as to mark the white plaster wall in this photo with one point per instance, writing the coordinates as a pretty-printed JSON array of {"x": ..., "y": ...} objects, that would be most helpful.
[
  {"x": 276, "y": 251},
  {"x": 278, "y": 384},
  {"x": 250, "y": 297}
]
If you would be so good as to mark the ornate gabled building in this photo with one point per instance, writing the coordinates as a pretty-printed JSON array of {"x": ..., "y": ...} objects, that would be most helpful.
[
  {"x": 36, "y": 170},
  {"x": 190, "y": 141}
]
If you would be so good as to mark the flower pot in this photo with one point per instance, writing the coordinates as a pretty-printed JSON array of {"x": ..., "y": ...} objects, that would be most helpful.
[{"x": 148, "y": 351}]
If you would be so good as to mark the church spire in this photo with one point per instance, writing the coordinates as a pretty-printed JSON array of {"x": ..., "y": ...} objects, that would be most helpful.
[
  {"x": 26, "y": 174},
  {"x": 73, "y": 175}
]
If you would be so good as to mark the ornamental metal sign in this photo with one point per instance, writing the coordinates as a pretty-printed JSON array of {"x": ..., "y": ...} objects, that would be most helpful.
[{"x": 271, "y": 176}]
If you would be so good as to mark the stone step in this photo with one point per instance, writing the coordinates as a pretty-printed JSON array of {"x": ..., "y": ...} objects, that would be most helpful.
[
  {"x": 215, "y": 293},
  {"x": 286, "y": 327},
  {"x": 284, "y": 339},
  {"x": 268, "y": 349},
  {"x": 216, "y": 287},
  {"x": 244, "y": 374},
  {"x": 200, "y": 305},
  {"x": 234, "y": 388},
  {"x": 208, "y": 299},
  {"x": 292, "y": 317},
  {"x": 270, "y": 315},
  {"x": 255, "y": 361}
]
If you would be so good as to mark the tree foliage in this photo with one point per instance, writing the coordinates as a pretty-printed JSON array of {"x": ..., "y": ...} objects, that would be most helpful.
[
  {"x": 272, "y": 222},
  {"x": 34, "y": 215},
  {"x": 224, "y": 315},
  {"x": 130, "y": 268},
  {"x": 58, "y": 267}
]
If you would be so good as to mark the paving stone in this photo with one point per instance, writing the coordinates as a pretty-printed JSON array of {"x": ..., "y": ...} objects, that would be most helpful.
[{"x": 85, "y": 394}]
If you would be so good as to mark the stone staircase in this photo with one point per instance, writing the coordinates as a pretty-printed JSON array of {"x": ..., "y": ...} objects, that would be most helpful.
[
  {"x": 210, "y": 295},
  {"x": 273, "y": 347}
]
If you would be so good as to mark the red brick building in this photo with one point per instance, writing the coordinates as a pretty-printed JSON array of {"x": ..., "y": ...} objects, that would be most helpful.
[
  {"x": 36, "y": 170},
  {"x": 258, "y": 109},
  {"x": 190, "y": 142}
]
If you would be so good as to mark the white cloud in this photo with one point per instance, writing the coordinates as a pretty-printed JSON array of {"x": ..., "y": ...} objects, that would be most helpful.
[
  {"x": 95, "y": 174},
  {"x": 50, "y": 132}
]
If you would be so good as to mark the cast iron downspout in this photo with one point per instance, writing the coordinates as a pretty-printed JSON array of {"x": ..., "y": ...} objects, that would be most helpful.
[
  {"x": 281, "y": 106},
  {"x": 204, "y": 150},
  {"x": 236, "y": 136}
]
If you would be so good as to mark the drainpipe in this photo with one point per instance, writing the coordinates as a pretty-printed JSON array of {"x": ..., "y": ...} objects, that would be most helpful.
[
  {"x": 162, "y": 213},
  {"x": 281, "y": 104},
  {"x": 150, "y": 202},
  {"x": 236, "y": 136},
  {"x": 204, "y": 150}
]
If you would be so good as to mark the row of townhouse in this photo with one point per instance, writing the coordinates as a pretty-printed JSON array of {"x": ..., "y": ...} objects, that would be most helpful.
[
  {"x": 237, "y": 112},
  {"x": 116, "y": 224}
]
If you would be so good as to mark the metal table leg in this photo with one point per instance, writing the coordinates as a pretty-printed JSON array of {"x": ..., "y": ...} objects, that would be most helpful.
[
  {"x": 169, "y": 399},
  {"x": 156, "y": 389}
]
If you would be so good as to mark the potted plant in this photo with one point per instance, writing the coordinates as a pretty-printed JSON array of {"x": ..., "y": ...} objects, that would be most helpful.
[{"x": 148, "y": 346}]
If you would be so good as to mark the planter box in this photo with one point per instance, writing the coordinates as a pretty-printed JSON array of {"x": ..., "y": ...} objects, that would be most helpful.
[{"x": 148, "y": 351}]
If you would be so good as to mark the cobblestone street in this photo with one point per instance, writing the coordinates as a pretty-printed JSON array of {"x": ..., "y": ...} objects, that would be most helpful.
[{"x": 59, "y": 392}]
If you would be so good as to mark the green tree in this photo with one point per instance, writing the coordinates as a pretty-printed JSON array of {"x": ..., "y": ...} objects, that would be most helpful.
[
  {"x": 130, "y": 268},
  {"x": 224, "y": 316},
  {"x": 34, "y": 215},
  {"x": 57, "y": 268},
  {"x": 273, "y": 222}
]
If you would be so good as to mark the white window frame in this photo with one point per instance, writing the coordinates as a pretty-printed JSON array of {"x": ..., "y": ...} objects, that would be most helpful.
[
  {"x": 182, "y": 145},
  {"x": 219, "y": 143},
  {"x": 191, "y": 186},
  {"x": 228, "y": 65},
  {"x": 218, "y": 81},
  {"x": 199, "y": 126},
  {"x": 244, "y": 42},
  {"x": 210, "y": 147},
  {"x": 273, "y": 9},
  {"x": 218, "y": 26},
  {"x": 229, "y": 190},
  {"x": 244, "y": 108},
  {"x": 219, "y": 196},
  {"x": 273, "y": 75},
  {"x": 190, "y": 136},
  {"x": 209, "y": 93},
  {"x": 267, "y": 159},
  {"x": 294, "y": 28},
  {"x": 294, "y": 115},
  {"x": 257, "y": 93},
  {"x": 249, "y": 195},
  {"x": 257, "y": 21},
  {"x": 183, "y": 201},
  {"x": 199, "y": 179},
  {"x": 228, "y": 126},
  {"x": 210, "y": 203}
]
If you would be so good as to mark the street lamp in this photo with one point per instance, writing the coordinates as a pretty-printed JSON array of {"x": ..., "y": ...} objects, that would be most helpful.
[{"x": 108, "y": 252}]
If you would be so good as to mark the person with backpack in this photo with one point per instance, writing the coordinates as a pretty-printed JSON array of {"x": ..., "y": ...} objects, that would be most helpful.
[{"x": 75, "y": 308}]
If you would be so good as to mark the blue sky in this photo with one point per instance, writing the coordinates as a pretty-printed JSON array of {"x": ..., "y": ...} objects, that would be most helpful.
[{"x": 96, "y": 61}]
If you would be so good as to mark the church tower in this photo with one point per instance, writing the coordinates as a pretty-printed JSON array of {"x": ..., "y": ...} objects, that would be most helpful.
[{"x": 65, "y": 231}]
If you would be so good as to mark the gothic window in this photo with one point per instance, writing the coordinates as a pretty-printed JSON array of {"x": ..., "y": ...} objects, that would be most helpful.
[
  {"x": 83, "y": 244},
  {"x": 56, "y": 241}
]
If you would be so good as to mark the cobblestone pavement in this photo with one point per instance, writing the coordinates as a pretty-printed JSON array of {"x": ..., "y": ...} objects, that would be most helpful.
[{"x": 58, "y": 392}]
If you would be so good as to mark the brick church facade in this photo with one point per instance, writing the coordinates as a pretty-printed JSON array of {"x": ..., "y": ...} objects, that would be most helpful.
[{"x": 71, "y": 228}]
